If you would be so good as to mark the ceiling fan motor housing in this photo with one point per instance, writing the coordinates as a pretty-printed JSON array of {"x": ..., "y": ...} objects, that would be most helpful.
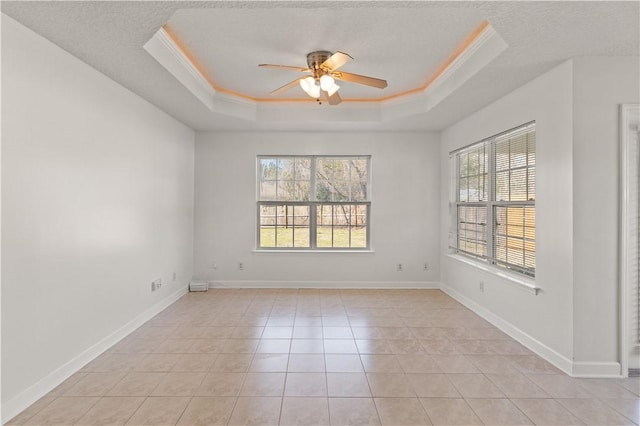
[{"x": 315, "y": 59}]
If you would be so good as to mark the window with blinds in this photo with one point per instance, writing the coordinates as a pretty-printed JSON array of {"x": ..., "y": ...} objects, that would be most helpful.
[{"x": 493, "y": 199}]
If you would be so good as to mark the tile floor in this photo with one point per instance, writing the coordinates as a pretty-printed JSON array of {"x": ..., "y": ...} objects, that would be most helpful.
[{"x": 339, "y": 357}]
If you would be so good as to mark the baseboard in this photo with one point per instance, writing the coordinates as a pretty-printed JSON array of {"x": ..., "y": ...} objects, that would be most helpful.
[
  {"x": 555, "y": 358},
  {"x": 597, "y": 369},
  {"x": 325, "y": 284},
  {"x": 17, "y": 404}
]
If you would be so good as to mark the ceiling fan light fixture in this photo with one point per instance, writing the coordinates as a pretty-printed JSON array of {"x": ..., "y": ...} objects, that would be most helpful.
[
  {"x": 327, "y": 82},
  {"x": 333, "y": 89},
  {"x": 307, "y": 83},
  {"x": 314, "y": 91}
]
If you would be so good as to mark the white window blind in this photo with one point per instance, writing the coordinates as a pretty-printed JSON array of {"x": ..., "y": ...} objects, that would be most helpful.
[{"x": 493, "y": 199}]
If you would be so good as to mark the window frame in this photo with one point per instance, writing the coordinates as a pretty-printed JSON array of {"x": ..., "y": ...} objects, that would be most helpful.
[
  {"x": 491, "y": 204},
  {"x": 313, "y": 204}
]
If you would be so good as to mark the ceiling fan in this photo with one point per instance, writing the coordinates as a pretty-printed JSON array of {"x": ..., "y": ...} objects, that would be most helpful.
[{"x": 323, "y": 66}]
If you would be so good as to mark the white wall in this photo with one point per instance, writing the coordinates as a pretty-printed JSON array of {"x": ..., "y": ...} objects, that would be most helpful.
[
  {"x": 404, "y": 212},
  {"x": 97, "y": 201},
  {"x": 600, "y": 85},
  {"x": 574, "y": 320},
  {"x": 547, "y": 318}
]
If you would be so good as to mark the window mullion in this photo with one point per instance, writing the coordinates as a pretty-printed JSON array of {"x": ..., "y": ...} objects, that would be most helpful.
[{"x": 490, "y": 209}]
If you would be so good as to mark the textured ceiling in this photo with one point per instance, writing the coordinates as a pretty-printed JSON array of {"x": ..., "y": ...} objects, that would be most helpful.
[{"x": 400, "y": 41}]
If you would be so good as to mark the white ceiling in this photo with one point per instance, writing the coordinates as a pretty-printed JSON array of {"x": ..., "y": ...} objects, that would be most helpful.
[{"x": 403, "y": 42}]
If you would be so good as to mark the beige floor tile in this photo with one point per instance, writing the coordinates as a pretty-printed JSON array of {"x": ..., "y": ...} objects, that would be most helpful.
[
  {"x": 95, "y": 384},
  {"x": 373, "y": 346},
  {"x": 307, "y": 321},
  {"x": 304, "y": 411},
  {"x": 340, "y": 346},
  {"x": 158, "y": 363},
  {"x": 306, "y": 384},
  {"x": 306, "y": 363},
  {"x": 517, "y": 386},
  {"x": 274, "y": 346},
  {"x": 335, "y": 321},
  {"x": 179, "y": 384},
  {"x": 604, "y": 388},
  {"x": 390, "y": 385},
  {"x": 439, "y": 346},
  {"x": 348, "y": 385},
  {"x": 367, "y": 333},
  {"x": 531, "y": 364},
  {"x": 397, "y": 333},
  {"x": 307, "y": 332},
  {"x": 63, "y": 411},
  {"x": 174, "y": 346},
  {"x": 240, "y": 346},
  {"x": 353, "y": 411},
  {"x": 443, "y": 411},
  {"x": 207, "y": 346},
  {"x": 137, "y": 384},
  {"x": 338, "y": 363},
  {"x": 263, "y": 384},
  {"x": 399, "y": 346},
  {"x": 247, "y": 333},
  {"x": 277, "y": 332},
  {"x": 507, "y": 347},
  {"x": 337, "y": 332},
  {"x": 111, "y": 411},
  {"x": 432, "y": 386},
  {"x": 281, "y": 321},
  {"x": 498, "y": 412},
  {"x": 207, "y": 411},
  {"x": 221, "y": 384},
  {"x": 422, "y": 333},
  {"x": 630, "y": 408},
  {"x": 120, "y": 363},
  {"x": 492, "y": 364},
  {"x": 454, "y": 364},
  {"x": 546, "y": 412},
  {"x": 194, "y": 362},
  {"x": 413, "y": 363},
  {"x": 401, "y": 411},
  {"x": 232, "y": 363},
  {"x": 307, "y": 346},
  {"x": 209, "y": 332},
  {"x": 256, "y": 411},
  {"x": 31, "y": 411},
  {"x": 380, "y": 364},
  {"x": 472, "y": 347},
  {"x": 159, "y": 411},
  {"x": 632, "y": 384},
  {"x": 475, "y": 386},
  {"x": 594, "y": 412},
  {"x": 269, "y": 363},
  {"x": 560, "y": 386}
]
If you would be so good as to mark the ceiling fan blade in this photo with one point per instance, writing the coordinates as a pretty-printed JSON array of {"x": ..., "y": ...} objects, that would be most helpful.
[
  {"x": 334, "y": 99},
  {"x": 360, "y": 79},
  {"x": 335, "y": 61},
  {"x": 285, "y": 67},
  {"x": 286, "y": 87}
]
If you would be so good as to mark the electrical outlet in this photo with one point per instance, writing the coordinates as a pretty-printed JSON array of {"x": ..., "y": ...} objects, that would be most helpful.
[
  {"x": 425, "y": 266},
  {"x": 482, "y": 286},
  {"x": 214, "y": 265},
  {"x": 400, "y": 268},
  {"x": 155, "y": 285},
  {"x": 240, "y": 266}
]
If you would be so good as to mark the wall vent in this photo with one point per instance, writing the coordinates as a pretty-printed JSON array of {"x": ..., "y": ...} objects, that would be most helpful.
[{"x": 198, "y": 286}]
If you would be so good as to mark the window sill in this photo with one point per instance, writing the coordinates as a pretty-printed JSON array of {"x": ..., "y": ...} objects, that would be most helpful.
[
  {"x": 523, "y": 282},
  {"x": 368, "y": 251}
]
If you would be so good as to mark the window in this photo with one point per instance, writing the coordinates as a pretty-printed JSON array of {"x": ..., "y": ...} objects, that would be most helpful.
[
  {"x": 493, "y": 205},
  {"x": 311, "y": 202}
]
